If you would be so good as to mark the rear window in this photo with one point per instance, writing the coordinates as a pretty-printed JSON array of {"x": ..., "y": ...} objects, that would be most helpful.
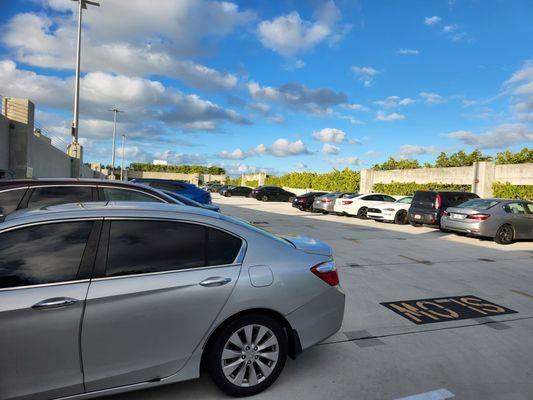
[
  {"x": 425, "y": 196},
  {"x": 479, "y": 204},
  {"x": 9, "y": 200},
  {"x": 454, "y": 199}
]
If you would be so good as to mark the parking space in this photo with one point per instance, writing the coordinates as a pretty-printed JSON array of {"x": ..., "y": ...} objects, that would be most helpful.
[{"x": 382, "y": 354}]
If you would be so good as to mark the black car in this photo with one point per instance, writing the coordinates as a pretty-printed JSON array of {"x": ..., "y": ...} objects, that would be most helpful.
[
  {"x": 18, "y": 194},
  {"x": 236, "y": 191},
  {"x": 427, "y": 206},
  {"x": 305, "y": 201},
  {"x": 272, "y": 193}
]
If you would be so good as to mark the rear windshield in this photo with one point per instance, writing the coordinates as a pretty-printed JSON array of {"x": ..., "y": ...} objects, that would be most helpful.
[
  {"x": 255, "y": 228},
  {"x": 479, "y": 204},
  {"x": 454, "y": 199},
  {"x": 330, "y": 194},
  {"x": 425, "y": 196}
]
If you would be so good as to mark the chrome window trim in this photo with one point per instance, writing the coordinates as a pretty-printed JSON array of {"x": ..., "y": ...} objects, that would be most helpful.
[
  {"x": 49, "y": 221},
  {"x": 132, "y": 190},
  {"x": 40, "y": 285},
  {"x": 237, "y": 262},
  {"x": 93, "y": 185},
  {"x": 15, "y": 188}
]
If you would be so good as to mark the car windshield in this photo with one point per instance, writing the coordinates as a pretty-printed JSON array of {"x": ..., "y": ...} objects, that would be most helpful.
[{"x": 479, "y": 204}]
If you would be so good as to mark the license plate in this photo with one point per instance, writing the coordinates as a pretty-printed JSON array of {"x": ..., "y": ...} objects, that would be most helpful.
[
  {"x": 418, "y": 216},
  {"x": 458, "y": 216}
]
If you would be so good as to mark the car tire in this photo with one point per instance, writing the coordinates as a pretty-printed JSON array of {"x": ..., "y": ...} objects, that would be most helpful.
[
  {"x": 228, "y": 194},
  {"x": 222, "y": 351},
  {"x": 415, "y": 224},
  {"x": 264, "y": 198},
  {"x": 361, "y": 213},
  {"x": 401, "y": 217},
  {"x": 504, "y": 234}
]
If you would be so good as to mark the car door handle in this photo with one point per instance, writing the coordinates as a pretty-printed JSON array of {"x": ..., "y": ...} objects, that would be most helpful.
[
  {"x": 215, "y": 281},
  {"x": 55, "y": 302}
]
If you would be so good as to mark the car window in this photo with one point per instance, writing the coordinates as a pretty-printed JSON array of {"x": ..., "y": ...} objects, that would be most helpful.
[
  {"x": 115, "y": 194},
  {"x": 388, "y": 198},
  {"x": 42, "y": 254},
  {"x": 516, "y": 208},
  {"x": 137, "y": 247},
  {"x": 406, "y": 200},
  {"x": 529, "y": 207},
  {"x": 479, "y": 204},
  {"x": 51, "y": 195},
  {"x": 166, "y": 186},
  {"x": 422, "y": 196},
  {"x": 372, "y": 197},
  {"x": 10, "y": 199}
]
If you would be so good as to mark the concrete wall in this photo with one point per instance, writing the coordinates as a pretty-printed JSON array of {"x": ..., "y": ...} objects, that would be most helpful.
[
  {"x": 192, "y": 178},
  {"x": 45, "y": 160},
  {"x": 4, "y": 145},
  {"x": 260, "y": 177},
  {"x": 480, "y": 176}
]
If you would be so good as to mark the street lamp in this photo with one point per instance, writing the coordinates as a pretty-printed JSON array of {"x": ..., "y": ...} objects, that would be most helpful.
[
  {"x": 122, "y": 161},
  {"x": 115, "y": 112},
  {"x": 82, "y": 5}
]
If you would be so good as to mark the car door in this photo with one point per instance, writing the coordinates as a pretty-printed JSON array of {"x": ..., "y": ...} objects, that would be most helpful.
[
  {"x": 520, "y": 218},
  {"x": 158, "y": 287},
  {"x": 44, "y": 271}
]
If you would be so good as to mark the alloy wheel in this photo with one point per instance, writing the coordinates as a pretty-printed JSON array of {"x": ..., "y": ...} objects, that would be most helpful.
[{"x": 250, "y": 355}]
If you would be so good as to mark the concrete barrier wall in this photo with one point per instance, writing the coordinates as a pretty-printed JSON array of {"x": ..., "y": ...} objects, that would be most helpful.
[
  {"x": 515, "y": 174},
  {"x": 455, "y": 175},
  {"x": 4, "y": 144},
  {"x": 45, "y": 160}
]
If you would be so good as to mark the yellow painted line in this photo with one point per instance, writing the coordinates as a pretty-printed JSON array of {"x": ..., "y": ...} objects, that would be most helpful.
[{"x": 522, "y": 293}]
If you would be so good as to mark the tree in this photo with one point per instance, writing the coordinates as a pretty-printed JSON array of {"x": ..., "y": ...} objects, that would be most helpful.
[
  {"x": 392, "y": 163},
  {"x": 523, "y": 156}
]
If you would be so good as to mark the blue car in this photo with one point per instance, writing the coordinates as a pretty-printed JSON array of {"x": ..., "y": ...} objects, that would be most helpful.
[{"x": 189, "y": 190}]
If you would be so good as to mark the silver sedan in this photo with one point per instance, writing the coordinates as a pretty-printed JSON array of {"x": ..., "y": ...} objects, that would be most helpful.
[
  {"x": 502, "y": 219},
  {"x": 97, "y": 299}
]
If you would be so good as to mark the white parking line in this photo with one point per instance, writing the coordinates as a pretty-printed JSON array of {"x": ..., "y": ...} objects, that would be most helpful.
[{"x": 439, "y": 394}]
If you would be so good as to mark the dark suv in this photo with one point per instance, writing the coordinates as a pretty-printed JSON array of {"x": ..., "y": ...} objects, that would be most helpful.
[
  {"x": 427, "y": 206},
  {"x": 17, "y": 194},
  {"x": 305, "y": 201},
  {"x": 272, "y": 193}
]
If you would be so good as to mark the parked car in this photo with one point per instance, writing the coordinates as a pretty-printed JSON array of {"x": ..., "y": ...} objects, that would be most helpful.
[
  {"x": 324, "y": 203},
  {"x": 427, "y": 206},
  {"x": 159, "y": 290},
  {"x": 186, "y": 189},
  {"x": 500, "y": 219},
  {"x": 188, "y": 202},
  {"x": 18, "y": 194},
  {"x": 393, "y": 212},
  {"x": 341, "y": 202},
  {"x": 305, "y": 201},
  {"x": 272, "y": 193},
  {"x": 237, "y": 191},
  {"x": 213, "y": 187},
  {"x": 221, "y": 188},
  {"x": 358, "y": 205}
]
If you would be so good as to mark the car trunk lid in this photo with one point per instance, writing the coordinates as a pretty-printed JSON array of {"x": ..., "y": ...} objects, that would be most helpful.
[{"x": 309, "y": 244}]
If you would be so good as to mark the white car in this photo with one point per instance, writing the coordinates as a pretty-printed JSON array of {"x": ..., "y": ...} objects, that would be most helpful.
[
  {"x": 338, "y": 206},
  {"x": 359, "y": 205},
  {"x": 396, "y": 211}
]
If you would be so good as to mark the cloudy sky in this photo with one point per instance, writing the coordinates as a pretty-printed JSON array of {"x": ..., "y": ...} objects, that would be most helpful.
[{"x": 277, "y": 85}]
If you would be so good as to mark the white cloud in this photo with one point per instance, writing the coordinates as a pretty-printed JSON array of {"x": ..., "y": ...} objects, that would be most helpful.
[
  {"x": 372, "y": 153},
  {"x": 236, "y": 154},
  {"x": 330, "y": 135},
  {"x": 432, "y": 98},
  {"x": 391, "y": 117},
  {"x": 408, "y": 150},
  {"x": 395, "y": 101},
  {"x": 432, "y": 20},
  {"x": 365, "y": 74},
  {"x": 354, "y": 107},
  {"x": 315, "y": 101},
  {"x": 520, "y": 87},
  {"x": 407, "y": 52},
  {"x": 450, "y": 28},
  {"x": 345, "y": 161},
  {"x": 300, "y": 165},
  {"x": 330, "y": 149},
  {"x": 499, "y": 137},
  {"x": 290, "y": 35}
]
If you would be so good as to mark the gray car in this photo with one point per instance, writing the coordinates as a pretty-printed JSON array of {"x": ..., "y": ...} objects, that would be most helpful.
[
  {"x": 103, "y": 298},
  {"x": 325, "y": 203},
  {"x": 502, "y": 219}
]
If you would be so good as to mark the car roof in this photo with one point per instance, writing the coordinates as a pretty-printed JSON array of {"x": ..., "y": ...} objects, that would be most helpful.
[
  {"x": 162, "y": 181},
  {"x": 129, "y": 209},
  {"x": 15, "y": 183}
]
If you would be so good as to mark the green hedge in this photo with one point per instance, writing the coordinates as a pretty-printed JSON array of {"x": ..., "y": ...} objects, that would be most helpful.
[
  {"x": 345, "y": 180},
  {"x": 508, "y": 191},
  {"x": 253, "y": 183},
  {"x": 181, "y": 169},
  {"x": 234, "y": 182},
  {"x": 407, "y": 188}
]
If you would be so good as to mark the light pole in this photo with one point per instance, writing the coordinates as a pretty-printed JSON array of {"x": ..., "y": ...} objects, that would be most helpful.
[
  {"x": 82, "y": 5},
  {"x": 115, "y": 112},
  {"x": 122, "y": 161}
]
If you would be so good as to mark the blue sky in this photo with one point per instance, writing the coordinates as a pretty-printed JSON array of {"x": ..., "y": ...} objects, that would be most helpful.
[{"x": 280, "y": 85}]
